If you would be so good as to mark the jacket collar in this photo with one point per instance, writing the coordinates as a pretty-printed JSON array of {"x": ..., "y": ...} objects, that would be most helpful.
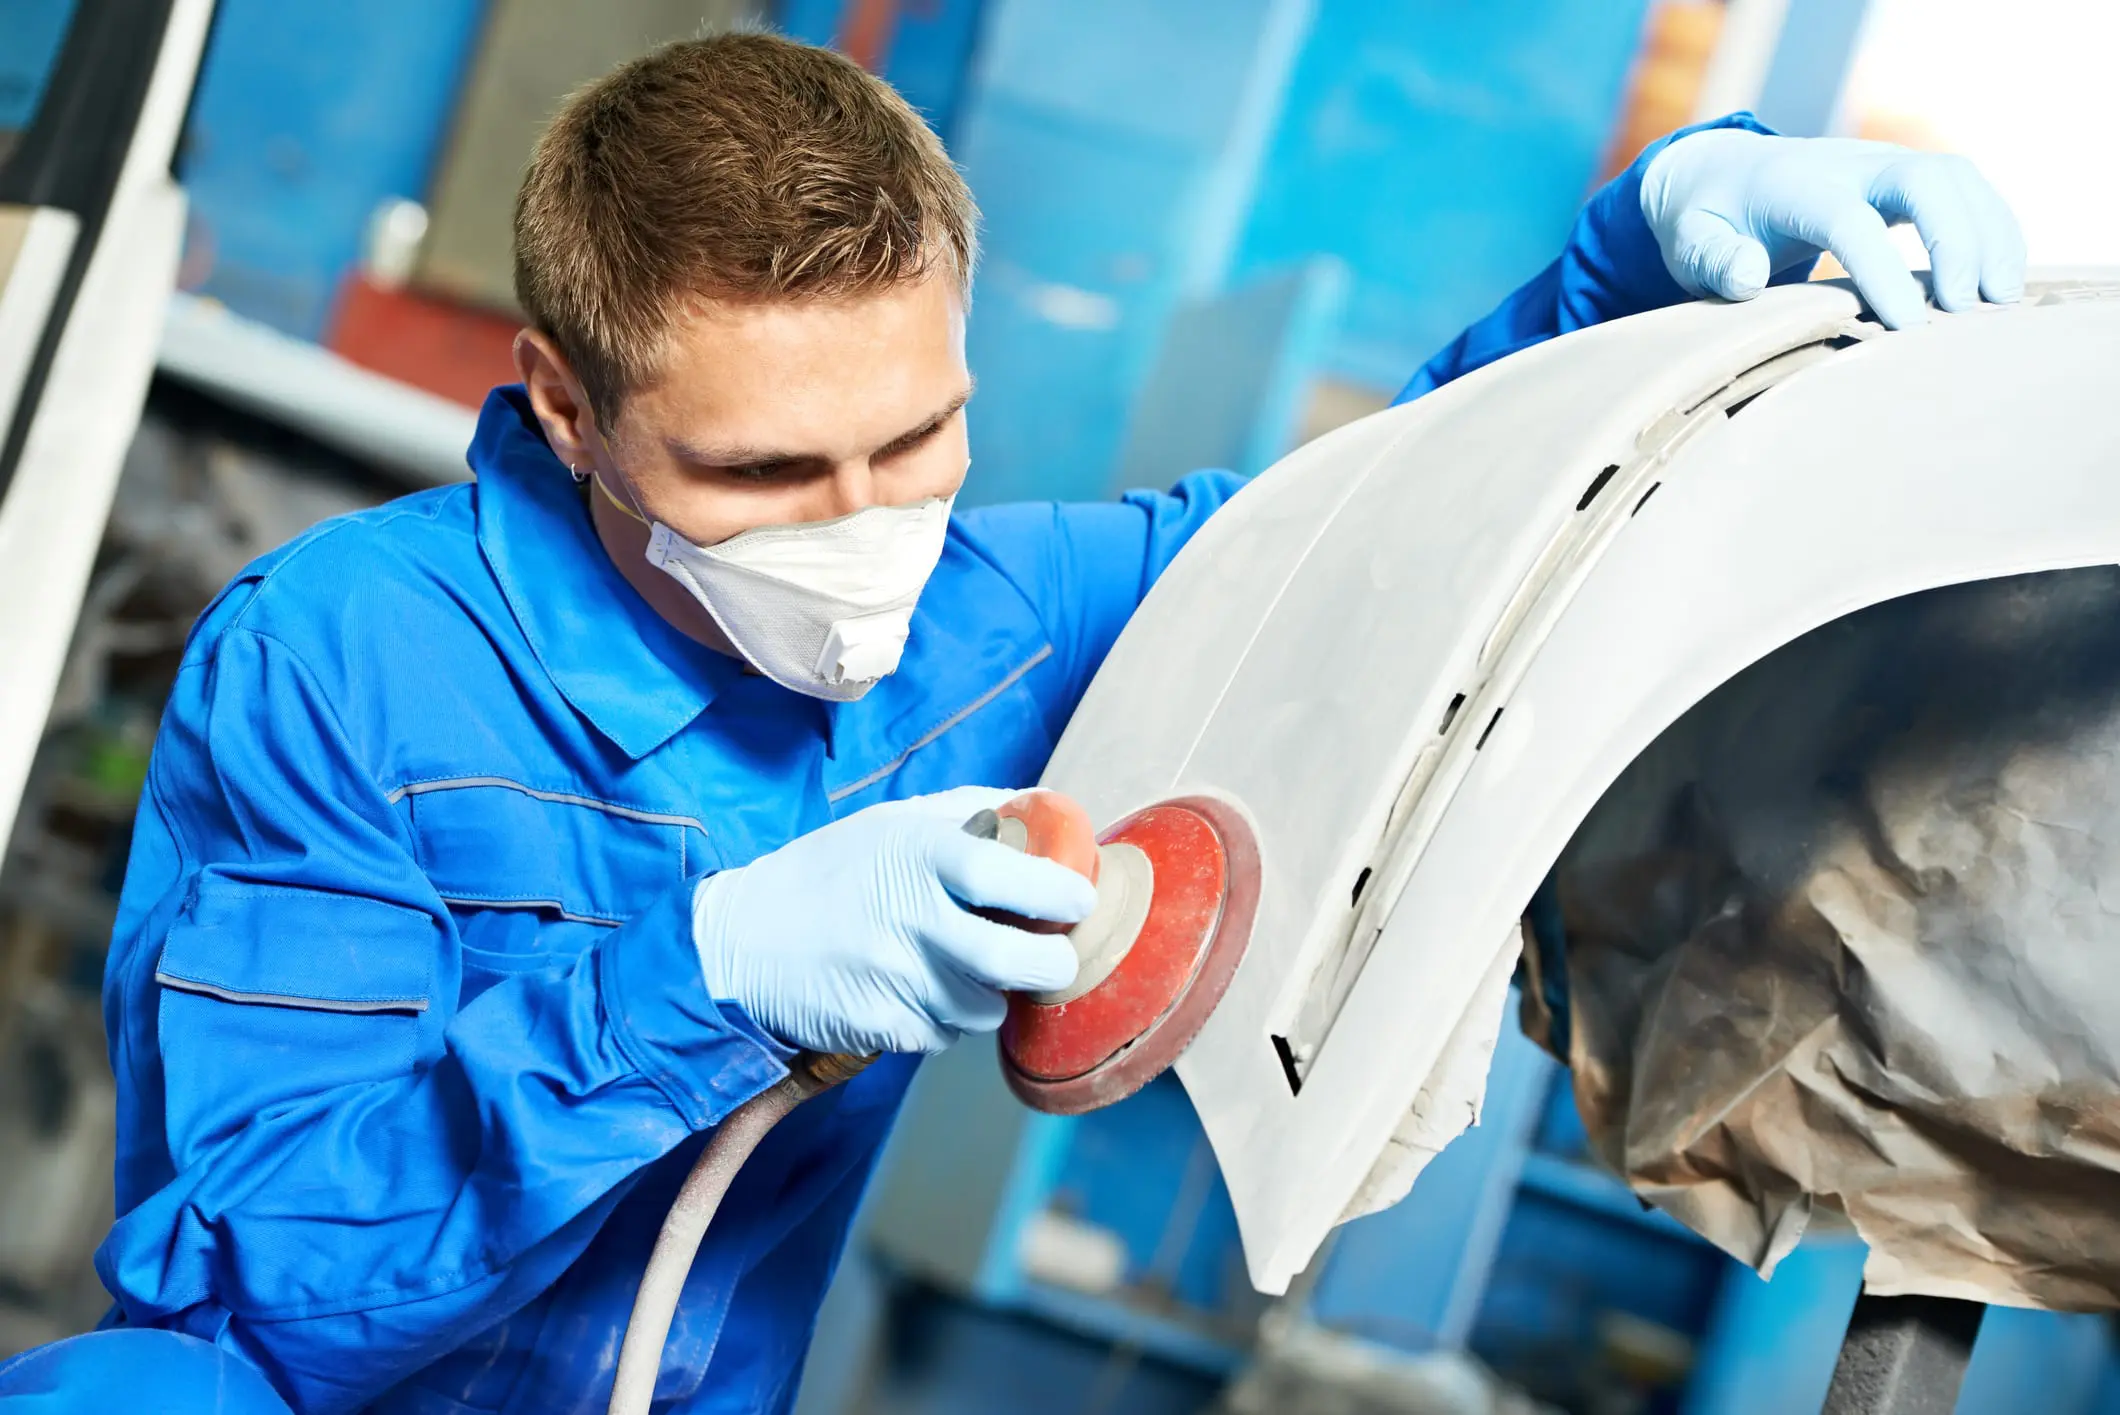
[{"x": 625, "y": 669}]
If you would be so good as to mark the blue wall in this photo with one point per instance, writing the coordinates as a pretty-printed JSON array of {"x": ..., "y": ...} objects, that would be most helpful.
[
  {"x": 1113, "y": 147},
  {"x": 1440, "y": 149},
  {"x": 929, "y": 55},
  {"x": 307, "y": 117},
  {"x": 1134, "y": 158},
  {"x": 1136, "y": 162}
]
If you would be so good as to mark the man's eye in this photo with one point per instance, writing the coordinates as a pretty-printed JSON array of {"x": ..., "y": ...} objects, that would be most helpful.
[{"x": 758, "y": 471}]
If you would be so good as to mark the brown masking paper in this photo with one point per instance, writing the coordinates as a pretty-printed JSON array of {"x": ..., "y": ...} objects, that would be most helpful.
[{"x": 1846, "y": 938}]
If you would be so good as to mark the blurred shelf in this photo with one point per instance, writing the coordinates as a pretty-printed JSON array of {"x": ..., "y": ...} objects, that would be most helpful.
[
  {"x": 1111, "y": 1317},
  {"x": 414, "y": 435}
]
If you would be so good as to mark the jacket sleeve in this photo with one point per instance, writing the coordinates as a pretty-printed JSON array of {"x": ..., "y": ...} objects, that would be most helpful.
[
  {"x": 1610, "y": 267},
  {"x": 361, "y": 1174},
  {"x": 1085, "y": 566}
]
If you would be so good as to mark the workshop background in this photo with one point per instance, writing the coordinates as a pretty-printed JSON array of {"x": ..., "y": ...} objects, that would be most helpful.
[{"x": 1213, "y": 229}]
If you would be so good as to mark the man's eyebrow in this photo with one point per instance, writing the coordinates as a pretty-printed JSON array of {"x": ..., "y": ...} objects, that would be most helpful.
[
  {"x": 740, "y": 455},
  {"x": 936, "y": 419}
]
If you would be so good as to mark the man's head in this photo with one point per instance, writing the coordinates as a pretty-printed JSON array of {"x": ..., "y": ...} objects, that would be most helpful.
[{"x": 745, "y": 263}]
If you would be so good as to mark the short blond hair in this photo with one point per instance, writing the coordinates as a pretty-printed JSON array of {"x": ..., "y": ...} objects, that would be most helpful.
[{"x": 741, "y": 166}]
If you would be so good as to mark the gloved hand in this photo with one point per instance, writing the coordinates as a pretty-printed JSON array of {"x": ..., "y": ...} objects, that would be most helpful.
[
  {"x": 1731, "y": 208},
  {"x": 856, "y": 938}
]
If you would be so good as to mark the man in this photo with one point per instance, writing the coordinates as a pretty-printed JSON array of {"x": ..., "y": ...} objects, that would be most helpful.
[{"x": 501, "y": 840}]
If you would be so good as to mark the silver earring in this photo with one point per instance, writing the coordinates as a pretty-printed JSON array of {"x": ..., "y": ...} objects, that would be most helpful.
[{"x": 577, "y": 473}]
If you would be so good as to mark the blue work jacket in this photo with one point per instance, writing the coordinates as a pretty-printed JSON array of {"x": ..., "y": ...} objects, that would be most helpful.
[{"x": 410, "y": 1037}]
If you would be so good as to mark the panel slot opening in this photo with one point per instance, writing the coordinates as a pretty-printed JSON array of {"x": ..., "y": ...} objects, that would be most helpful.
[
  {"x": 1597, "y": 486},
  {"x": 1288, "y": 1065},
  {"x": 1450, "y": 714}
]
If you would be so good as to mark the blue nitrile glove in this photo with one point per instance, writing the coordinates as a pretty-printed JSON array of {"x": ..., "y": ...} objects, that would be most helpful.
[
  {"x": 856, "y": 939},
  {"x": 1732, "y": 208}
]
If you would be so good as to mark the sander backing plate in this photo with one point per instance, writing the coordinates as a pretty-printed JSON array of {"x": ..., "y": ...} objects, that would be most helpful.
[{"x": 1076, "y": 1056}]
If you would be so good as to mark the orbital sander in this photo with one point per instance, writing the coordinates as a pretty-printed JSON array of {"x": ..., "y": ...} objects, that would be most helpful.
[{"x": 1177, "y": 890}]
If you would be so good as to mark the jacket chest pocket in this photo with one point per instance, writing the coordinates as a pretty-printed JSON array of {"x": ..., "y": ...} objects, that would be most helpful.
[{"x": 532, "y": 878}]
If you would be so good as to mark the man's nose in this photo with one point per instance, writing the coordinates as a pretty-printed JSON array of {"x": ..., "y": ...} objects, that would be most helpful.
[{"x": 853, "y": 488}]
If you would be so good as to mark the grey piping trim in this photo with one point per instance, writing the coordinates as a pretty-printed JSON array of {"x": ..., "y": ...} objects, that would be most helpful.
[
  {"x": 947, "y": 723},
  {"x": 564, "y": 798},
  {"x": 281, "y": 999},
  {"x": 466, "y": 901}
]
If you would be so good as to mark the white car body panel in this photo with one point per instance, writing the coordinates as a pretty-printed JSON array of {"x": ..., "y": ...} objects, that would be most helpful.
[{"x": 1420, "y": 647}]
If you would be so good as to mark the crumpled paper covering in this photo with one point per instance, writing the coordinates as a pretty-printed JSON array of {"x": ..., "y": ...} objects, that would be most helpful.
[{"x": 1847, "y": 937}]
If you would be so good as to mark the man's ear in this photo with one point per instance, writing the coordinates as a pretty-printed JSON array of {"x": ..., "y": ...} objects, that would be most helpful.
[{"x": 556, "y": 397}]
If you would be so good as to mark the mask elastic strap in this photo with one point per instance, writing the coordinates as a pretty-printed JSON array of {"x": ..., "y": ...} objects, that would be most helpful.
[{"x": 635, "y": 510}]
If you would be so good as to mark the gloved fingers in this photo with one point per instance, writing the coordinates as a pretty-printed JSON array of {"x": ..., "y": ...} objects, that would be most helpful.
[
  {"x": 1855, "y": 234},
  {"x": 929, "y": 1036},
  {"x": 2002, "y": 251},
  {"x": 964, "y": 1006},
  {"x": 985, "y": 874},
  {"x": 958, "y": 804},
  {"x": 862, "y": 1032},
  {"x": 878, "y": 1014},
  {"x": 1711, "y": 257},
  {"x": 999, "y": 957},
  {"x": 918, "y": 1035},
  {"x": 1923, "y": 189}
]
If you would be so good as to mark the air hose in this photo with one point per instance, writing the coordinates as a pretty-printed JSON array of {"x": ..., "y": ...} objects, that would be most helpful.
[{"x": 655, "y": 1303}]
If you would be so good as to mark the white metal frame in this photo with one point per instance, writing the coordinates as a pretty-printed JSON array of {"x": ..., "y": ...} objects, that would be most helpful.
[{"x": 52, "y": 519}]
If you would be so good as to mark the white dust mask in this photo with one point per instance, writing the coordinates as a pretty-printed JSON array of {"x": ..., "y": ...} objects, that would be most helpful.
[{"x": 821, "y": 607}]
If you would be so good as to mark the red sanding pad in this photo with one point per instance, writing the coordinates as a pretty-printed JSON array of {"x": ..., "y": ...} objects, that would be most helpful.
[{"x": 1075, "y": 1056}]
